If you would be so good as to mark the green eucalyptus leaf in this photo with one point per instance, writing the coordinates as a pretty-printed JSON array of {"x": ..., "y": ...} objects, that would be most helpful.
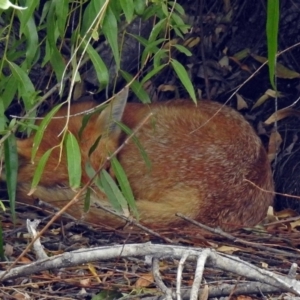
[
  {"x": 113, "y": 193},
  {"x": 184, "y": 78},
  {"x": 11, "y": 171},
  {"x": 272, "y": 37},
  {"x": 110, "y": 30},
  {"x": 99, "y": 65},
  {"x": 40, "y": 132},
  {"x": 128, "y": 8},
  {"x": 40, "y": 169},
  {"x": 25, "y": 86},
  {"x": 124, "y": 185},
  {"x": 136, "y": 87},
  {"x": 73, "y": 160}
]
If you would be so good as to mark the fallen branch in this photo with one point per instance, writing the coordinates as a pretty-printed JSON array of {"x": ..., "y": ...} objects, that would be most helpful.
[{"x": 211, "y": 258}]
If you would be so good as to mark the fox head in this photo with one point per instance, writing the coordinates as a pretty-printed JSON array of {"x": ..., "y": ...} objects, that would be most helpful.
[{"x": 98, "y": 137}]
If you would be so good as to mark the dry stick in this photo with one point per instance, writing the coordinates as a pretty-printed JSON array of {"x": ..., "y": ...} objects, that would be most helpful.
[
  {"x": 76, "y": 197},
  {"x": 276, "y": 193},
  {"x": 137, "y": 224},
  {"x": 179, "y": 274},
  {"x": 287, "y": 220},
  {"x": 37, "y": 245},
  {"x": 235, "y": 239},
  {"x": 88, "y": 225},
  {"x": 41, "y": 206},
  {"x": 293, "y": 271},
  {"x": 280, "y": 194},
  {"x": 159, "y": 281},
  {"x": 201, "y": 261}
]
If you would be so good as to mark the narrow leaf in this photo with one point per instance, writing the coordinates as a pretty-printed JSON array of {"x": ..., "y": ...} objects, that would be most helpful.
[
  {"x": 45, "y": 11},
  {"x": 90, "y": 13},
  {"x": 32, "y": 48},
  {"x": 152, "y": 73},
  {"x": 73, "y": 160},
  {"x": 180, "y": 23},
  {"x": 161, "y": 55},
  {"x": 24, "y": 83},
  {"x": 99, "y": 65},
  {"x": 124, "y": 185},
  {"x": 151, "y": 48},
  {"x": 128, "y": 8},
  {"x": 52, "y": 53},
  {"x": 113, "y": 193},
  {"x": 272, "y": 36},
  {"x": 177, "y": 7},
  {"x": 40, "y": 132},
  {"x": 87, "y": 200},
  {"x": 184, "y": 78},
  {"x": 58, "y": 63},
  {"x": 39, "y": 170},
  {"x": 62, "y": 13},
  {"x": 139, "y": 6},
  {"x": 183, "y": 49},
  {"x": 26, "y": 14},
  {"x": 11, "y": 171},
  {"x": 136, "y": 87},
  {"x": 89, "y": 170},
  {"x": 157, "y": 29},
  {"x": 3, "y": 118},
  {"x": 28, "y": 27},
  {"x": 110, "y": 30},
  {"x": 9, "y": 87}
]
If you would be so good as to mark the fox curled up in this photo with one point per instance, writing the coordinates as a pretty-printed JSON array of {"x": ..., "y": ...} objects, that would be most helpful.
[{"x": 200, "y": 157}]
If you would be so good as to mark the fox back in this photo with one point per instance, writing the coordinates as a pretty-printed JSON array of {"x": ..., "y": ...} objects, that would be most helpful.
[{"x": 206, "y": 162}]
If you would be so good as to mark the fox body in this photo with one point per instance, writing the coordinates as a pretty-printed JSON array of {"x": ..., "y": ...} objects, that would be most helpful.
[{"x": 206, "y": 162}]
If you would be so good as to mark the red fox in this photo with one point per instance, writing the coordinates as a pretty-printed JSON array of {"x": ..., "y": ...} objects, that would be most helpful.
[{"x": 202, "y": 159}]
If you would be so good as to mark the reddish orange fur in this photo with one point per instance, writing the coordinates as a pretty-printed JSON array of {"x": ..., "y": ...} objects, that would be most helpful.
[{"x": 200, "y": 157}]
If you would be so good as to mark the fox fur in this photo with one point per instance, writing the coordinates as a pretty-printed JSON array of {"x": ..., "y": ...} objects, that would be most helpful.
[{"x": 202, "y": 159}]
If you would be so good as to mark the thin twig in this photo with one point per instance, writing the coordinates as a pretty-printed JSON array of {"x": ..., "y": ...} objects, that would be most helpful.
[{"x": 235, "y": 239}]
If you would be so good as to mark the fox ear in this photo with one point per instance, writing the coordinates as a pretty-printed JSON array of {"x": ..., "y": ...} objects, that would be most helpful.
[{"x": 113, "y": 113}]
